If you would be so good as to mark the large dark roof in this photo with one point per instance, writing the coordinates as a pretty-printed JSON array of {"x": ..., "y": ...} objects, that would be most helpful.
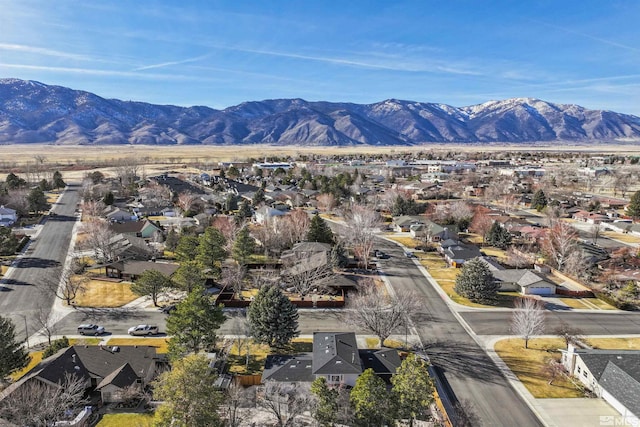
[
  {"x": 383, "y": 361},
  {"x": 121, "y": 377},
  {"x": 335, "y": 353},
  {"x": 102, "y": 360},
  {"x": 138, "y": 267},
  {"x": 291, "y": 368}
]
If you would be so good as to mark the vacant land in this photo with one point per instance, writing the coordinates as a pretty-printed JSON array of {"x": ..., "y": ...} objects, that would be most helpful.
[
  {"x": 118, "y": 420},
  {"x": 99, "y": 293}
]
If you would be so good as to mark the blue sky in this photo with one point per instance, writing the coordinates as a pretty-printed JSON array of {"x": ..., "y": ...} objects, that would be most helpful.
[{"x": 222, "y": 53}]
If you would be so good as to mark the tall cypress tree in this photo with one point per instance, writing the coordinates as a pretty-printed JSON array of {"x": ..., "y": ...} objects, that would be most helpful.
[
  {"x": 243, "y": 247},
  {"x": 273, "y": 319},
  {"x": 319, "y": 231}
]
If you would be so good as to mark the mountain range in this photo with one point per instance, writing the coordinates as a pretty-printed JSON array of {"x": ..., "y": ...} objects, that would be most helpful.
[{"x": 33, "y": 112}]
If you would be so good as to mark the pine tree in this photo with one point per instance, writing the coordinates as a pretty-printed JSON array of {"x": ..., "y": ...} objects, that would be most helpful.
[
  {"x": 539, "y": 200},
  {"x": 412, "y": 388},
  {"x": 108, "y": 198},
  {"x": 245, "y": 210},
  {"x": 498, "y": 236},
  {"x": 273, "y": 319},
  {"x": 211, "y": 249},
  {"x": 151, "y": 283},
  {"x": 187, "y": 248},
  {"x": 371, "y": 401},
  {"x": 193, "y": 325},
  {"x": 37, "y": 200},
  {"x": 326, "y": 407},
  {"x": 57, "y": 181},
  {"x": 476, "y": 282},
  {"x": 243, "y": 247},
  {"x": 633, "y": 210},
  {"x": 171, "y": 242},
  {"x": 12, "y": 355},
  {"x": 319, "y": 231}
]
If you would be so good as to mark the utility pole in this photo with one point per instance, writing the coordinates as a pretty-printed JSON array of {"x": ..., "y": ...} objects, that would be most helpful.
[{"x": 26, "y": 328}]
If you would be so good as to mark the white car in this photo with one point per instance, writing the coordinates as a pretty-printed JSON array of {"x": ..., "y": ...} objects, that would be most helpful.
[
  {"x": 143, "y": 330},
  {"x": 90, "y": 329}
]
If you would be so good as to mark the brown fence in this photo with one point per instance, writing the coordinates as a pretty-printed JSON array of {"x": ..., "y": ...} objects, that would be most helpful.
[
  {"x": 225, "y": 298},
  {"x": 576, "y": 294},
  {"x": 247, "y": 380}
]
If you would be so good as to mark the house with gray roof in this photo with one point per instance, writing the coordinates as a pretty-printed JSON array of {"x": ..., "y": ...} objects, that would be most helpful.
[
  {"x": 335, "y": 357},
  {"x": 525, "y": 281},
  {"x": 7, "y": 216},
  {"x": 613, "y": 375},
  {"x": 434, "y": 232}
]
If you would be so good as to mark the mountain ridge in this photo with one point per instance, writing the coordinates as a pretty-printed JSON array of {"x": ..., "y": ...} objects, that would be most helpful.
[{"x": 33, "y": 112}]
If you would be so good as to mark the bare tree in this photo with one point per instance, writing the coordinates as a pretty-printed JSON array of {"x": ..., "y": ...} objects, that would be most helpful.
[
  {"x": 517, "y": 259},
  {"x": 229, "y": 229},
  {"x": 595, "y": 231},
  {"x": 234, "y": 276},
  {"x": 464, "y": 415},
  {"x": 311, "y": 274},
  {"x": 297, "y": 224},
  {"x": 379, "y": 312},
  {"x": 528, "y": 318},
  {"x": 36, "y": 403},
  {"x": 17, "y": 199},
  {"x": 156, "y": 194},
  {"x": 237, "y": 397},
  {"x": 286, "y": 401},
  {"x": 186, "y": 200},
  {"x": 92, "y": 209},
  {"x": 552, "y": 369},
  {"x": 273, "y": 235},
  {"x": 326, "y": 202},
  {"x": 568, "y": 333},
  {"x": 67, "y": 288},
  {"x": 362, "y": 223},
  {"x": 481, "y": 224},
  {"x": 98, "y": 238},
  {"x": 559, "y": 243},
  {"x": 46, "y": 324}
]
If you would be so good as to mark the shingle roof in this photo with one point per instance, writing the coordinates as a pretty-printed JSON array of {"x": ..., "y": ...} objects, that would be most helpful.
[
  {"x": 523, "y": 278},
  {"x": 383, "y": 361},
  {"x": 335, "y": 353},
  {"x": 618, "y": 372},
  {"x": 121, "y": 377},
  {"x": 102, "y": 360},
  {"x": 139, "y": 267},
  {"x": 288, "y": 368}
]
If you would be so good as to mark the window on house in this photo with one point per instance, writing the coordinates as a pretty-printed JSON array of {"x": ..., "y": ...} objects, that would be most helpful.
[
  {"x": 335, "y": 378},
  {"x": 585, "y": 374},
  {"x": 579, "y": 370}
]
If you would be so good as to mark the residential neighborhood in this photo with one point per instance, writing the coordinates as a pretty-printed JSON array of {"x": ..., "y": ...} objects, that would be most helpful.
[{"x": 294, "y": 280}]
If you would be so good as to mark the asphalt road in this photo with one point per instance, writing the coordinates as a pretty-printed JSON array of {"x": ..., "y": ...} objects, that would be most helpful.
[
  {"x": 591, "y": 323},
  {"x": 21, "y": 295},
  {"x": 471, "y": 374}
]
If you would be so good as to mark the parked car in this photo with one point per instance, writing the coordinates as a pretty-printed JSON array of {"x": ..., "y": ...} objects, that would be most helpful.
[
  {"x": 409, "y": 254},
  {"x": 143, "y": 330},
  {"x": 90, "y": 329},
  {"x": 381, "y": 255},
  {"x": 168, "y": 308}
]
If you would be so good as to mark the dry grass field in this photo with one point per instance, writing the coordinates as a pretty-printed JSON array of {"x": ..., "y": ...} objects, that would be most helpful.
[
  {"x": 161, "y": 344},
  {"x": 101, "y": 293}
]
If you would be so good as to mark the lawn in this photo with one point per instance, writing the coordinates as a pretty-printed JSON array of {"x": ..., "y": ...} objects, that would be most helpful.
[
  {"x": 627, "y": 238},
  {"x": 84, "y": 341},
  {"x": 161, "y": 344},
  {"x": 614, "y": 343},
  {"x": 495, "y": 252},
  {"x": 36, "y": 357},
  {"x": 258, "y": 353},
  {"x": 105, "y": 294},
  {"x": 409, "y": 242},
  {"x": 527, "y": 365},
  {"x": 578, "y": 303},
  {"x": 373, "y": 342},
  {"x": 3, "y": 270},
  {"x": 133, "y": 420},
  {"x": 432, "y": 260}
]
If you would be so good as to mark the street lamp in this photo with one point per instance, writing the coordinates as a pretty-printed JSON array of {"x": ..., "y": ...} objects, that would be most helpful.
[{"x": 26, "y": 329}]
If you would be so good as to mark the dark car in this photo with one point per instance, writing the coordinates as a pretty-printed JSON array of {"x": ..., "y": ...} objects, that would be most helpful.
[
  {"x": 381, "y": 255},
  {"x": 168, "y": 308}
]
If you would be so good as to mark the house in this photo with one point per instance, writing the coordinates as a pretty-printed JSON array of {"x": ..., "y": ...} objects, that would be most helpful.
[
  {"x": 305, "y": 250},
  {"x": 613, "y": 375},
  {"x": 128, "y": 247},
  {"x": 265, "y": 213},
  {"x": 109, "y": 370},
  {"x": 402, "y": 224},
  {"x": 131, "y": 269},
  {"x": 525, "y": 281},
  {"x": 114, "y": 214},
  {"x": 590, "y": 217},
  {"x": 144, "y": 229},
  {"x": 7, "y": 216},
  {"x": 335, "y": 357},
  {"x": 433, "y": 232},
  {"x": 457, "y": 253}
]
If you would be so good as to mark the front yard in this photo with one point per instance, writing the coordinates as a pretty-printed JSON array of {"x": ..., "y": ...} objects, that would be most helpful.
[
  {"x": 527, "y": 365},
  {"x": 118, "y": 420},
  {"x": 102, "y": 293}
]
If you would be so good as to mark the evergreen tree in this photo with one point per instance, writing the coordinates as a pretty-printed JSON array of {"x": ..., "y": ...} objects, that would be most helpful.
[
  {"x": 633, "y": 210},
  {"x": 187, "y": 248},
  {"x": 8, "y": 241},
  {"x": 151, "y": 283},
  {"x": 539, "y": 200},
  {"x": 14, "y": 182},
  {"x": 326, "y": 407},
  {"x": 244, "y": 246},
  {"x": 273, "y": 319},
  {"x": 12, "y": 355},
  {"x": 498, "y": 236},
  {"x": 413, "y": 388},
  {"x": 371, "y": 402},
  {"x": 319, "y": 231},
  {"x": 189, "y": 275},
  {"x": 258, "y": 197},
  {"x": 211, "y": 249},
  {"x": 37, "y": 200},
  {"x": 476, "y": 282},
  {"x": 108, "y": 198},
  {"x": 245, "y": 210},
  {"x": 231, "y": 203},
  {"x": 44, "y": 185},
  {"x": 57, "y": 181},
  {"x": 193, "y": 325},
  {"x": 189, "y": 395},
  {"x": 171, "y": 242}
]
